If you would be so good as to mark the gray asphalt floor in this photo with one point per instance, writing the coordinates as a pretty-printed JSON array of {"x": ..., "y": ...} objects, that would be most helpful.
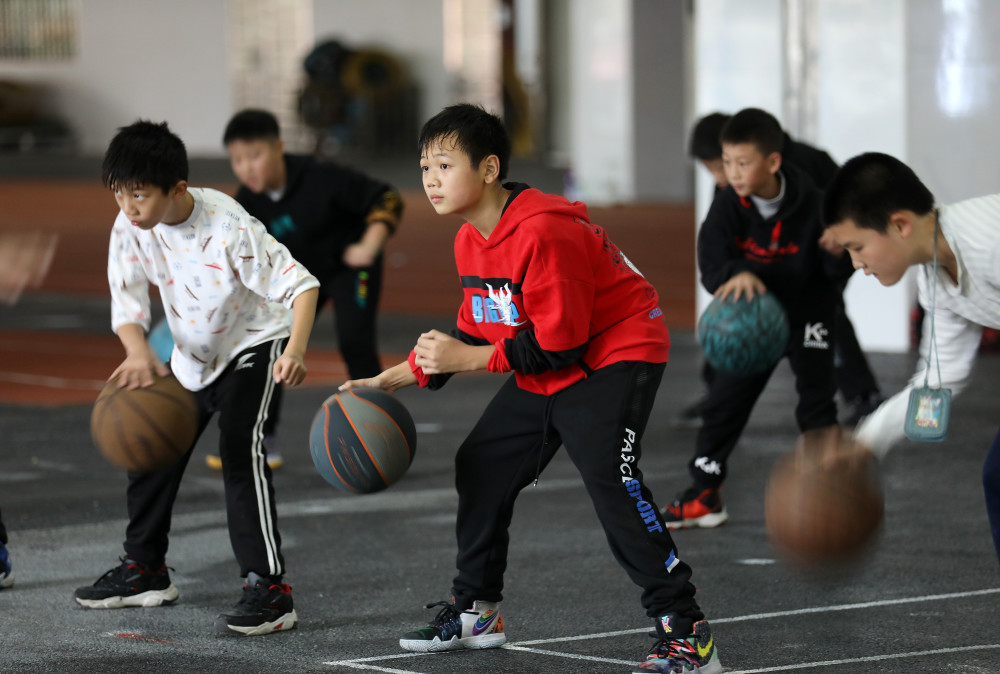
[{"x": 925, "y": 599}]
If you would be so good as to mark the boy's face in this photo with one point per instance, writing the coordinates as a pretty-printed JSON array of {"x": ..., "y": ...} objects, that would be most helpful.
[
  {"x": 259, "y": 164},
  {"x": 451, "y": 182},
  {"x": 146, "y": 206},
  {"x": 749, "y": 171},
  {"x": 882, "y": 255},
  {"x": 718, "y": 171}
]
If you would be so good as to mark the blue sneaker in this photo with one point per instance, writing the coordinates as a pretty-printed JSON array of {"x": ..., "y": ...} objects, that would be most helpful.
[{"x": 6, "y": 568}]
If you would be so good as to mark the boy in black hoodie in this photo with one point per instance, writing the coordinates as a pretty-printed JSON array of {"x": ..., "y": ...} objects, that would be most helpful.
[
  {"x": 761, "y": 235},
  {"x": 335, "y": 220},
  {"x": 855, "y": 380}
]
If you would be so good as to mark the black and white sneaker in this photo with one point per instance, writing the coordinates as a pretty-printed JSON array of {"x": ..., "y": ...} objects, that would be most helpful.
[
  {"x": 129, "y": 584},
  {"x": 265, "y": 607}
]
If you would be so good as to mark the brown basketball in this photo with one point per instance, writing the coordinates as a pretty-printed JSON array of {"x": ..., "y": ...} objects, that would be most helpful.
[
  {"x": 144, "y": 429},
  {"x": 819, "y": 515}
]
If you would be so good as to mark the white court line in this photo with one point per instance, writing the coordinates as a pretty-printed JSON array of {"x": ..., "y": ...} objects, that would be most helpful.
[{"x": 361, "y": 663}]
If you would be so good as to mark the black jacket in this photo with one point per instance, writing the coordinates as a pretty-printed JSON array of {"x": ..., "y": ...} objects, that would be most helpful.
[
  {"x": 324, "y": 209},
  {"x": 783, "y": 250}
]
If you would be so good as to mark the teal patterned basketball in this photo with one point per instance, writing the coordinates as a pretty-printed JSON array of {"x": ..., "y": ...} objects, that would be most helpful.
[{"x": 743, "y": 337}]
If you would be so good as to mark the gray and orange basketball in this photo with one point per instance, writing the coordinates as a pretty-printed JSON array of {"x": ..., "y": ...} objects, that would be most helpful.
[
  {"x": 144, "y": 429},
  {"x": 362, "y": 440}
]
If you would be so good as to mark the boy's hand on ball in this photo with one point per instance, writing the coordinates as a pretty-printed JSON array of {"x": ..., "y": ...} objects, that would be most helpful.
[
  {"x": 745, "y": 283},
  {"x": 136, "y": 371},
  {"x": 832, "y": 447}
]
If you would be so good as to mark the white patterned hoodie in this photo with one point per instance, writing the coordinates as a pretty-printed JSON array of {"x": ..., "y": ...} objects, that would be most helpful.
[{"x": 226, "y": 284}]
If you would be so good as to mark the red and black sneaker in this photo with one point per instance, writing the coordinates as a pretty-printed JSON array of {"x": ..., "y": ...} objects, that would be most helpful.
[
  {"x": 129, "y": 584},
  {"x": 265, "y": 607},
  {"x": 696, "y": 507}
]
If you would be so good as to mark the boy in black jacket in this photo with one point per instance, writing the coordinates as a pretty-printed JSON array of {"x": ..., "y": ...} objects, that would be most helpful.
[
  {"x": 855, "y": 379},
  {"x": 761, "y": 235},
  {"x": 333, "y": 219}
]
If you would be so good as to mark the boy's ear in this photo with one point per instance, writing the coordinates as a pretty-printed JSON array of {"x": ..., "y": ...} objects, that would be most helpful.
[
  {"x": 901, "y": 222},
  {"x": 491, "y": 169},
  {"x": 774, "y": 162},
  {"x": 178, "y": 190}
]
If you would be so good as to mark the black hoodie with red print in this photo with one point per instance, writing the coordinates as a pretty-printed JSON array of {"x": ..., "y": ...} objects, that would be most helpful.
[{"x": 783, "y": 250}]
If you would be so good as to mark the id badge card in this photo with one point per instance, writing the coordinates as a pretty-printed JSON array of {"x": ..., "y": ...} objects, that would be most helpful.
[{"x": 927, "y": 414}]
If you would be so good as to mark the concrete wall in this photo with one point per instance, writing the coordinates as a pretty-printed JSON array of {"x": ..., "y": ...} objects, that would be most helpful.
[{"x": 167, "y": 61}]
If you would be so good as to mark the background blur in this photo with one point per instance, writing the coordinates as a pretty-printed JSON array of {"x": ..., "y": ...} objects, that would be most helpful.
[{"x": 598, "y": 94}]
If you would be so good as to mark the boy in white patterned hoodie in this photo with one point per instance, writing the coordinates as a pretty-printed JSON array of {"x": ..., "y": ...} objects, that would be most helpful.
[{"x": 240, "y": 310}]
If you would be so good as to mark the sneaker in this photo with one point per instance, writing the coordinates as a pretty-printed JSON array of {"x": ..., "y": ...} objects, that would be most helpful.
[
  {"x": 274, "y": 458},
  {"x": 696, "y": 507},
  {"x": 695, "y": 653},
  {"x": 265, "y": 607},
  {"x": 129, "y": 584},
  {"x": 451, "y": 630},
  {"x": 6, "y": 568}
]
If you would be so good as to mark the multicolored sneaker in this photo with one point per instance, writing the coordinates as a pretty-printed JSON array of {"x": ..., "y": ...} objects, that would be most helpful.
[
  {"x": 129, "y": 584},
  {"x": 696, "y": 507},
  {"x": 479, "y": 627},
  {"x": 6, "y": 568},
  {"x": 691, "y": 654},
  {"x": 265, "y": 607}
]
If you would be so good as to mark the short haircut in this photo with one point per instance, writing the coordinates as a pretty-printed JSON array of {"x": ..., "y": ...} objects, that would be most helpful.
[
  {"x": 251, "y": 124},
  {"x": 475, "y": 132},
  {"x": 704, "y": 142},
  {"x": 869, "y": 188},
  {"x": 144, "y": 153},
  {"x": 756, "y": 126}
]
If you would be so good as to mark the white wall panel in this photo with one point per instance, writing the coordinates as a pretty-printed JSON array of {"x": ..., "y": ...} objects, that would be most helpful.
[{"x": 863, "y": 107}]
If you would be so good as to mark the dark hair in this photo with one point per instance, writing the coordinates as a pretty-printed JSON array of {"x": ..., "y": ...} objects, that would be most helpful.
[
  {"x": 251, "y": 124},
  {"x": 475, "y": 132},
  {"x": 144, "y": 153},
  {"x": 704, "y": 142},
  {"x": 753, "y": 125},
  {"x": 869, "y": 188}
]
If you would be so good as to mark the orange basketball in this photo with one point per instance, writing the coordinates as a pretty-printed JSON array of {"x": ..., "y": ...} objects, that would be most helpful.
[
  {"x": 144, "y": 429},
  {"x": 819, "y": 515}
]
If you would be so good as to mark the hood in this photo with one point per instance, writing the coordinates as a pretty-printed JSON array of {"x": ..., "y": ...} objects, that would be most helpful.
[{"x": 527, "y": 202}]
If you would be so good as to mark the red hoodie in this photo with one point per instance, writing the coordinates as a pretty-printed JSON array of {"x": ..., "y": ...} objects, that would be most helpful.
[{"x": 546, "y": 267}]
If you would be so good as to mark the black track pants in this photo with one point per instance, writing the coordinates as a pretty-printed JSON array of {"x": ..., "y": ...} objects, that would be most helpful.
[
  {"x": 244, "y": 397},
  {"x": 600, "y": 420}
]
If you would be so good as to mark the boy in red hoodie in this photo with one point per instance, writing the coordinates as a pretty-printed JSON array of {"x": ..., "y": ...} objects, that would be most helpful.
[{"x": 550, "y": 298}]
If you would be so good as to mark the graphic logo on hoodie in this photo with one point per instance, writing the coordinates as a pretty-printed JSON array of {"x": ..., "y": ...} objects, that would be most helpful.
[{"x": 503, "y": 301}]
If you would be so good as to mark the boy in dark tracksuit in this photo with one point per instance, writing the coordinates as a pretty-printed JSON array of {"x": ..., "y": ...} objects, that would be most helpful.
[
  {"x": 762, "y": 234},
  {"x": 333, "y": 219},
  {"x": 548, "y": 296},
  {"x": 855, "y": 379}
]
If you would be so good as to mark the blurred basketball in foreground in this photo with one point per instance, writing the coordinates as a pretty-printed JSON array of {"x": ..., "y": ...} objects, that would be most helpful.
[
  {"x": 822, "y": 513},
  {"x": 362, "y": 440},
  {"x": 743, "y": 337},
  {"x": 24, "y": 260},
  {"x": 144, "y": 429}
]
